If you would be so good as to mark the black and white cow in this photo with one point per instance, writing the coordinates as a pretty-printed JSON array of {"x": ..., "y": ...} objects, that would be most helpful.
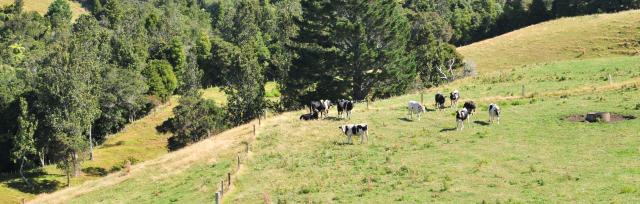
[
  {"x": 440, "y": 101},
  {"x": 310, "y": 116},
  {"x": 350, "y": 130},
  {"x": 344, "y": 106},
  {"x": 470, "y": 106},
  {"x": 321, "y": 106},
  {"x": 494, "y": 113},
  {"x": 415, "y": 107},
  {"x": 461, "y": 116},
  {"x": 454, "y": 96}
]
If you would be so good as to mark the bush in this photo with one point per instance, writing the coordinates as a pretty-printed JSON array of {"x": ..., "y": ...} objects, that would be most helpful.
[{"x": 469, "y": 69}]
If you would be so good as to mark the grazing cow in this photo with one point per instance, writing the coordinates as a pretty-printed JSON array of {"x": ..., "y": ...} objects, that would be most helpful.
[
  {"x": 470, "y": 106},
  {"x": 355, "y": 129},
  {"x": 344, "y": 106},
  {"x": 415, "y": 107},
  {"x": 494, "y": 113},
  {"x": 440, "y": 101},
  {"x": 310, "y": 116},
  {"x": 461, "y": 116},
  {"x": 454, "y": 96}
]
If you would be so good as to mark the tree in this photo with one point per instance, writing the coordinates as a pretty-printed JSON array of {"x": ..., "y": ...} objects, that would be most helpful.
[
  {"x": 194, "y": 120},
  {"x": 161, "y": 79},
  {"x": 352, "y": 48},
  {"x": 24, "y": 144},
  {"x": 59, "y": 13},
  {"x": 538, "y": 11}
]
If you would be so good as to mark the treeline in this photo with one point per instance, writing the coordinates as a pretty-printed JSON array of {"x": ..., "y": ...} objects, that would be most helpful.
[{"x": 65, "y": 85}]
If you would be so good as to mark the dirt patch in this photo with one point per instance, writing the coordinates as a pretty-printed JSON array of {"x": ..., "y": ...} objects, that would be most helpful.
[{"x": 614, "y": 118}]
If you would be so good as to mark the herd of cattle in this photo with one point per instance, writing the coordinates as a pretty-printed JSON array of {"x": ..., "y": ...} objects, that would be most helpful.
[{"x": 320, "y": 110}]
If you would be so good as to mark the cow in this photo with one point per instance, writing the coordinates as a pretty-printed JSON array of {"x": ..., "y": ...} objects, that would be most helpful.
[
  {"x": 454, "y": 96},
  {"x": 440, "y": 101},
  {"x": 470, "y": 106},
  {"x": 494, "y": 113},
  {"x": 355, "y": 129},
  {"x": 310, "y": 116},
  {"x": 461, "y": 116},
  {"x": 344, "y": 106},
  {"x": 415, "y": 107},
  {"x": 319, "y": 106},
  {"x": 327, "y": 105}
]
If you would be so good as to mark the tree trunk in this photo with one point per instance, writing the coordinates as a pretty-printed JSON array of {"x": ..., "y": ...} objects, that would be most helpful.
[
  {"x": 68, "y": 172},
  {"x": 22, "y": 174},
  {"x": 41, "y": 155},
  {"x": 90, "y": 144},
  {"x": 74, "y": 157}
]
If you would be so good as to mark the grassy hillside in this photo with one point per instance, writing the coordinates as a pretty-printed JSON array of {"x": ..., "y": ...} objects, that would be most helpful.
[
  {"x": 41, "y": 6},
  {"x": 592, "y": 36},
  {"x": 138, "y": 141},
  {"x": 532, "y": 156}
]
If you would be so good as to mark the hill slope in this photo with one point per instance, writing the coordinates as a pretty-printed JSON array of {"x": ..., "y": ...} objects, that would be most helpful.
[
  {"x": 532, "y": 156},
  {"x": 41, "y": 6},
  {"x": 567, "y": 38}
]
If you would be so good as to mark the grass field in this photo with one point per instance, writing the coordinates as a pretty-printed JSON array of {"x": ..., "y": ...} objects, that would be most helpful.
[
  {"x": 41, "y": 6},
  {"x": 532, "y": 156},
  {"x": 591, "y": 36}
]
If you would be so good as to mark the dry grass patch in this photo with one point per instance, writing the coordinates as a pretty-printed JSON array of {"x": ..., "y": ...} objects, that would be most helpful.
[{"x": 591, "y": 36}]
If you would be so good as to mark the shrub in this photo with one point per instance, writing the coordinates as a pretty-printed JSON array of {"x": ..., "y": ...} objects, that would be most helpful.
[{"x": 161, "y": 79}]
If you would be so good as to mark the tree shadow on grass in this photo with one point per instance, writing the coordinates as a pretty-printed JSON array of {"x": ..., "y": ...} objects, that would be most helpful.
[
  {"x": 483, "y": 123},
  {"x": 448, "y": 129},
  {"x": 37, "y": 186},
  {"x": 95, "y": 171}
]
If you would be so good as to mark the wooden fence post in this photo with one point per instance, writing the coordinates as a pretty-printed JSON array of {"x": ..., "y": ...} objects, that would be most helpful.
[
  {"x": 218, "y": 197},
  {"x": 367, "y": 103},
  {"x": 422, "y": 98},
  {"x": 254, "y": 130},
  {"x": 229, "y": 178},
  {"x": 238, "y": 162},
  {"x": 610, "y": 79},
  {"x": 523, "y": 91},
  {"x": 222, "y": 187},
  {"x": 247, "y": 147}
]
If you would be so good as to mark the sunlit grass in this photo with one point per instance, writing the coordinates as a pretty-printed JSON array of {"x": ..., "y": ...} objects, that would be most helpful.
[{"x": 593, "y": 36}]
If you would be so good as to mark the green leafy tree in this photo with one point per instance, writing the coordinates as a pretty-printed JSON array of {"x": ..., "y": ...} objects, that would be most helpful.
[
  {"x": 59, "y": 13},
  {"x": 161, "y": 79},
  {"x": 195, "y": 119},
  {"x": 24, "y": 142},
  {"x": 350, "y": 48},
  {"x": 539, "y": 11}
]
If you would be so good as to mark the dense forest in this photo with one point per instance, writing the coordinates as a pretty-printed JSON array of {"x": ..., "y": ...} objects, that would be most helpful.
[{"x": 65, "y": 85}]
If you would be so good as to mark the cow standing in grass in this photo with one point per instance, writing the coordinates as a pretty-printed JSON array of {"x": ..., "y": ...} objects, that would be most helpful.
[
  {"x": 319, "y": 106},
  {"x": 415, "y": 107},
  {"x": 350, "y": 130},
  {"x": 494, "y": 113},
  {"x": 461, "y": 116},
  {"x": 344, "y": 107},
  {"x": 454, "y": 96},
  {"x": 440, "y": 101},
  {"x": 471, "y": 107}
]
